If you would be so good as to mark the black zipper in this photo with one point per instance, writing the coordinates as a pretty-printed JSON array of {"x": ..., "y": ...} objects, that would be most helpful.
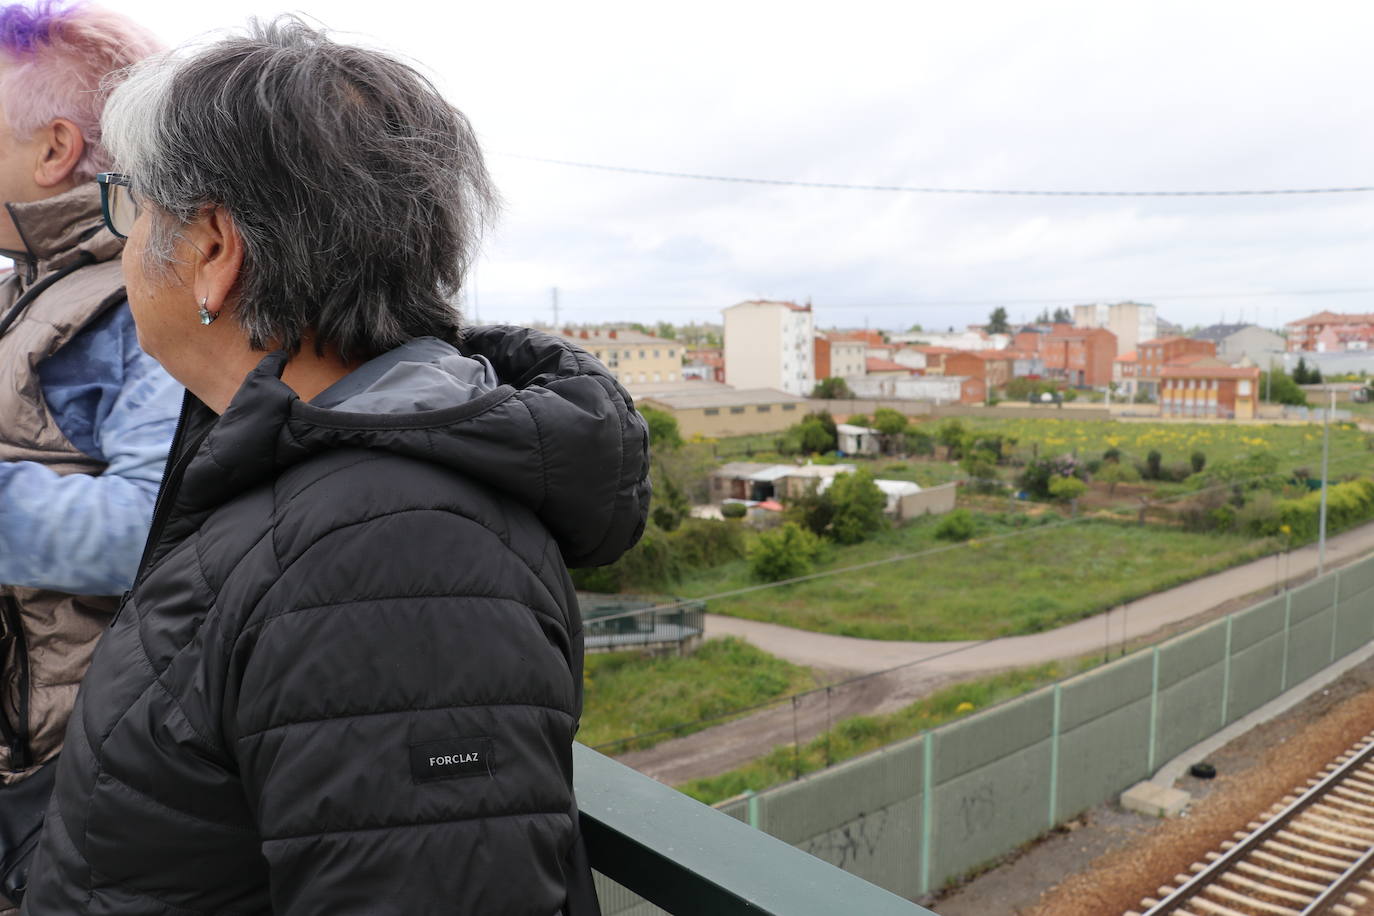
[
  {"x": 16, "y": 735},
  {"x": 162, "y": 507}
]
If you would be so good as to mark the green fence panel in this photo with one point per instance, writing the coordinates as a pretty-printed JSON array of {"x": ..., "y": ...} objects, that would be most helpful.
[
  {"x": 881, "y": 846},
  {"x": 1309, "y": 646},
  {"x": 1189, "y": 711},
  {"x": 1256, "y": 674},
  {"x": 986, "y": 737},
  {"x": 1357, "y": 578},
  {"x": 1354, "y": 619},
  {"x": 1184, "y": 656},
  {"x": 832, "y": 798},
  {"x": 1256, "y": 624},
  {"x": 1311, "y": 599},
  {"x": 1103, "y": 756},
  {"x": 988, "y": 812},
  {"x": 1104, "y": 690},
  {"x": 991, "y": 784}
]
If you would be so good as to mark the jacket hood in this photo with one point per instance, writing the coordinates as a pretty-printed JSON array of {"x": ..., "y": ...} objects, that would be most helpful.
[{"x": 557, "y": 434}]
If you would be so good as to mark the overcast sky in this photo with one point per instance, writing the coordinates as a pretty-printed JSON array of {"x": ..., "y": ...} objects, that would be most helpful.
[{"x": 1009, "y": 95}]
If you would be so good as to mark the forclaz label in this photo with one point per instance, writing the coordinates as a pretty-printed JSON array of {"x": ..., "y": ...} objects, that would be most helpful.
[{"x": 452, "y": 758}]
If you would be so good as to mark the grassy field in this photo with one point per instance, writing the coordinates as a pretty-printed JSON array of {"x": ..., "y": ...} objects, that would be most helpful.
[
  {"x": 861, "y": 734},
  {"x": 1040, "y": 579},
  {"x": 1295, "y": 446},
  {"x": 629, "y": 693}
]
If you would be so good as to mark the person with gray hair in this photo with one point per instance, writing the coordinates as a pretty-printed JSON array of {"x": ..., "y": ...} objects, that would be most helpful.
[{"x": 349, "y": 673}]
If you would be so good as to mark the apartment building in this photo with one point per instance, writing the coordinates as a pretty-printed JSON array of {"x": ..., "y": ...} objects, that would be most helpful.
[
  {"x": 1306, "y": 334},
  {"x": 991, "y": 367},
  {"x": 1153, "y": 356},
  {"x": 839, "y": 356},
  {"x": 1131, "y": 322},
  {"x": 1081, "y": 356},
  {"x": 770, "y": 344},
  {"x": 634, "y": 358}
]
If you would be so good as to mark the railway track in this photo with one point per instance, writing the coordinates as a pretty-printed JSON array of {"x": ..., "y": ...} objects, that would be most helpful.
[{"x": 1309, "y": 855}]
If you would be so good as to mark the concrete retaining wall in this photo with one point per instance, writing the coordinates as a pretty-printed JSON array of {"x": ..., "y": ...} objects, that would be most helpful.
[{"x": 923, "y": 812}]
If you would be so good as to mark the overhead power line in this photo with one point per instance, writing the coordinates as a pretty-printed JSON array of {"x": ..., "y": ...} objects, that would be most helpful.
[{"x": 905, "y": 189}]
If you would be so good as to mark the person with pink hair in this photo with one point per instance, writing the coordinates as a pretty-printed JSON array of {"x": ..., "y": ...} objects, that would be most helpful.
[{"x": 86, "y": 418}]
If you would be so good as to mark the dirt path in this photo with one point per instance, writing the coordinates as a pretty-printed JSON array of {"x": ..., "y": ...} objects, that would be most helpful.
[{"x": 905, "y": 671}]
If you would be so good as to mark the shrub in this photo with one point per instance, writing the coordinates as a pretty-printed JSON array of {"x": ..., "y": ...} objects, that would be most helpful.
[
  {"x": 859, "y": 506},
  {"x": 1116, "y": 473},
  {"x": 1038, "y": 474},
  {"x": 1153, "y": 461},
  {"x": 734, "y": 510},
  {"x": 1092, "y": 466},
  {"x": 1347, "y": 504},
  {"x": 663, "y": 430},
  {"x": 831, "y": 389},
  {"x": 919, "y": 443},
  {"x": 784, "y": 553},
  {"x": 1112, "y": 454},
  {"x": 890, "y": 424},
  {"x": 958, "y": 525},
  {"x": 813, "y": 510},
  {"x": 859, "y": 419},
  {"x": 1067, "y": 489},
  {"x": 1198, "y": 460}
]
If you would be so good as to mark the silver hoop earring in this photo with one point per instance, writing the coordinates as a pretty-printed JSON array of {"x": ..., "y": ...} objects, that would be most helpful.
[{"x": 206, "y": 316}]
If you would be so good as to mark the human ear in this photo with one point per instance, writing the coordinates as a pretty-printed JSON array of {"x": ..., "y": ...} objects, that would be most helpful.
[
  {"x": 219, "y": 257},
  {"x": 60, "y": 148}
]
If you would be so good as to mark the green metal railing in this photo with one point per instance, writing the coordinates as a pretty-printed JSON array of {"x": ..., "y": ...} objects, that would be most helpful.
[{"x": 692, "y": 860}]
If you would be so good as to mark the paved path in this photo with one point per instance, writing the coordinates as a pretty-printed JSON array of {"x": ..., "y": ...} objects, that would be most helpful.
[
  {"x": 914, "y": 669},
  {"x": 1131, "y": 621}
]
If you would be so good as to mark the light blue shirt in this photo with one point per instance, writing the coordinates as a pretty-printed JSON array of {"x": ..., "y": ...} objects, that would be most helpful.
[{"x": 79, "y": 533}]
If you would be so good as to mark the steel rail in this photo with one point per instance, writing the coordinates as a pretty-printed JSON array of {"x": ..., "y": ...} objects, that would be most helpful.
[{"x": 1223, "y": 863}]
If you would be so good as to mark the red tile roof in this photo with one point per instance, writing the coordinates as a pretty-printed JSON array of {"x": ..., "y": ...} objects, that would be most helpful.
[
  {"x": 1127, "y": 357},
  {"x": 874, "y": 364},
  {"x": 1174, "y": 371}
]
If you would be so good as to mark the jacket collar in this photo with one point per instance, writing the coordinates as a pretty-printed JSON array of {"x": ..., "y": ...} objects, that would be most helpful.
[{"x": 56, "y": 230}]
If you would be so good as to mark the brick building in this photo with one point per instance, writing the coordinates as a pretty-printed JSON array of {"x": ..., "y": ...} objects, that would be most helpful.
[
  {"x": 991, "y": 367},
  {"x": 1081, "y": 356},
  {"x": 1153, "y": 356},
  {"x": 1205, "y": 390}
]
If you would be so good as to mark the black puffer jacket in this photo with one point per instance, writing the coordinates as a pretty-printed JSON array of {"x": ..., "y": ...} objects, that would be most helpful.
[{"x": 348, "y": 678}]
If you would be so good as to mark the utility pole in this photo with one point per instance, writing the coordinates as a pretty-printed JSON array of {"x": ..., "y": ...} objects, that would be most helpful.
[
  {"x": 555, "y": 309},
  {"x": 1326, "y": 451}
]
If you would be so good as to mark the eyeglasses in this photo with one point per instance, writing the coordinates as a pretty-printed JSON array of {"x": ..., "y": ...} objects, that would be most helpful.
[{"x": 117, "y": 203}]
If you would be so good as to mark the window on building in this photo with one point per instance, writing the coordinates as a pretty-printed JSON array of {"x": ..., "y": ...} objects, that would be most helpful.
[
  {"x": 641, "y": 354},
  {"x": 789, "y": 407},
  {"x": 643, "y": 377},
  {"x": 658, "y": 376},
  {"x": 672, "y": 354},
  {"x": 737, "y": 410},
  {"x": 712, "y": 411},
  {"x": 655, "y": 354},
  {"x": 764, "y": 408}
]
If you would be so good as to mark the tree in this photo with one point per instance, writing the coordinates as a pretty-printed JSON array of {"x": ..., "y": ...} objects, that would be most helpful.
[
  {"x": 663, "y": 430},
  {"x": 1063, "y": 316},
  {"x": 1301, "y": 374},
  {"x": 1278, "y": 387},
  {"x": 997, "y": 321},
  {"x": 859, "y": 506},
  {"x": 951, "y": 435},
  {"x": 832, "y": 389},
  {"x": 859, "y": 419},
  {"x": 809, "y": 437},
  {"x": 1067, "y": 490},
  {"x": 670, "y": 503},
  {"x": 667, "y": 331},
  {"x": 1114, "y": 472},
  {"x": 890, "y": 425},
  {"x": 1043, "y": 317},
  {"x": 784, "y": 553},
  {"x": 813, "y": 510}
]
